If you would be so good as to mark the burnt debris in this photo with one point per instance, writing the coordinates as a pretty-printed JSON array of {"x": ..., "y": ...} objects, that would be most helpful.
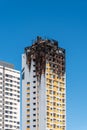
[{"x": 43, "y": 51}]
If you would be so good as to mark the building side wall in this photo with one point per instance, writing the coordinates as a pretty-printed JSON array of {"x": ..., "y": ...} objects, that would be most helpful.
[
  {"x": 9, "y": 98},
  {"x": 42, "y": 103},
  {"x": 1, "y": 96},
  {"x": 29, "y": 96},
  {"x": 56, "y": 100},
  {"x": 25, "y": 75}
]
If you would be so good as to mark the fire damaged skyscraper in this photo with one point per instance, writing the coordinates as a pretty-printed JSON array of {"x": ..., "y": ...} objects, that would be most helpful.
[{"x": 43, "y": 86}]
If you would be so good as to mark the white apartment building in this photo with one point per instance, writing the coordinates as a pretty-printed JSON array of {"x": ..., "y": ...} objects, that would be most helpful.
[
  {"x": 9, "y": 97},
  {"x": 43, "y": 86}
]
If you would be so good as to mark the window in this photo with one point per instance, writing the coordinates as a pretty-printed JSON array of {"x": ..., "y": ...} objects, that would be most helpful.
[
  {"x": 11, "y": 81},
  {"x": 28, "y": 120},
  {"x": 34, "y": 92},
  {"x": 23, "y": 69},
  {"x": 28, "y": 110},
  {"x": 28, "y": 115},
  {"x": 28, "y": 99},
  {"x": 33, "y": 59},
  {"x": 6, "y": 75},
  {"x": 34, "y": 109},
  {"x": 34, "y": 81},
  {"x": 0, "y": 73},
  {"x": 18, "y": 78},
  {"x": 28, "y": 88},
  {"x": 54, "y": 76},
  {"x": 28, "y": 104},
  {"x": 23, "y": 75},
  {"x": 28, "y": 126},
  {"x": 28, "y": 83},
  {"x": 34, "y": 76},
  {"x": 34, "y": 125}
]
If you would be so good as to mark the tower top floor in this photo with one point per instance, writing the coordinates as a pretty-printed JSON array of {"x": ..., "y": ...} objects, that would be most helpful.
[
  {"x": 49, "y": 44},
  {"x": 43, "y": 51}
]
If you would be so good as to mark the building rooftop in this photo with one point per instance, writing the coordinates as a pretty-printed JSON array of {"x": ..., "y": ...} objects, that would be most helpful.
[{"x": 6, "y": 64}]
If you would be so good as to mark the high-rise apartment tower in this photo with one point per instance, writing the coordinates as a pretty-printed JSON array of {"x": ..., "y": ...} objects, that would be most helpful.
[
  {"x": 43, "y": 86},
  {"x": 9, "y": 97}
]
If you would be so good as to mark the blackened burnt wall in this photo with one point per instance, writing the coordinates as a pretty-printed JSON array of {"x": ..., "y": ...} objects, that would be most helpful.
[{"x": 46, "y": 50}]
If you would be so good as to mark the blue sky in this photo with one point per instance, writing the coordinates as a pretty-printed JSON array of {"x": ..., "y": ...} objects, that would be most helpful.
[{"x": 66, "y": 21}]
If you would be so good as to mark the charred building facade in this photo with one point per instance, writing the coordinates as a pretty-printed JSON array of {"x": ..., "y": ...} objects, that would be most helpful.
[{"x": 43, "y": 86}]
